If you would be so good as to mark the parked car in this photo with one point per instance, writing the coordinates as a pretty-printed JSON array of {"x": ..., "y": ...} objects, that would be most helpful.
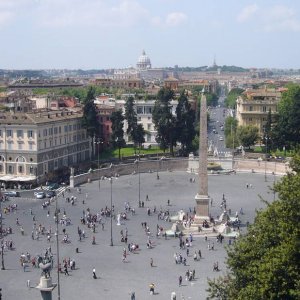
[
  {"x": 12, "y": 194},
  {"x": 40, "y": 195},
  {"x": 53, "y": 186},
  {"x": 50, "y": 194}
]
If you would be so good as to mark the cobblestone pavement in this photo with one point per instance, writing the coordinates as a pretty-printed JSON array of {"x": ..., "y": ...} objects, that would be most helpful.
[{"x": 116, "y": 279}]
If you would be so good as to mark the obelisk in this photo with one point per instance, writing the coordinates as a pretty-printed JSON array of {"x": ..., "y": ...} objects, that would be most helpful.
[{"x": 202, "y": 199}]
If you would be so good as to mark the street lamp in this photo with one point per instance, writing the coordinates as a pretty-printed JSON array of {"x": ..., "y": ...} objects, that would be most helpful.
[
  {"x": 98, "y": 142},
  {"x": 266, "y": 153},
  {"x": 2, "y": 244},
  {"x": 138, "y": 169},
  {"x": 57, "y": 249},
  {"x": 157, "y": 176},
  {"x": 111, "y": 232}
]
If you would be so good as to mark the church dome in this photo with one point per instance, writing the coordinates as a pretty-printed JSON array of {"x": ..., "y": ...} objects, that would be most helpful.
[{"x": 144, "y": 61}]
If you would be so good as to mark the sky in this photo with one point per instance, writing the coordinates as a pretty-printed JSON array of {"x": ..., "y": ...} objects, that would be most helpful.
[{"x": 96, "y": 34}]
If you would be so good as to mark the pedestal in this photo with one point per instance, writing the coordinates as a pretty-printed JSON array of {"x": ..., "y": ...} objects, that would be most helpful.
[
  {"x": 72, "y": 181},
  {"x": 46, "y": 287},
  {"x": 202, "y": 208}
]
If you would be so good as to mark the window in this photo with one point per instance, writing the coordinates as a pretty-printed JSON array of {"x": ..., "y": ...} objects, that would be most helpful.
[
  {"x": 20, "y": 169},
  {"x": 149, "y": 126},
  {"x": 0, "y": 132},
  {"x": 55, "y": 130},
  {"x": 139, "y": 110},
  {"x": 45, "y": 144},
  {"x": 20, "y": 146},
  {"x": 74, "y": 127},
  {"x": 70, "y": 127},
  {"x": 10, "y": 169},
  {"x": 19, "y": 133},
  {"x": 66, "y": 128},
  {"x": 9, "y": 133},
  {"x": 45, "y": 132},
  {"x": 1, "y": 168},
  {"x": 250, "y": 108},
  {"x": 30, "y": 134},
  {"x": 50, "y": 131},
  {"x": 250, "y": 119},
  {"x": 59, "y": 129},
  {"x": 30, "y": 146},
  {"x": 148, "y": 137},
  {"x": 107, "y": 118},
  {"x": 264, "y": 108},
  {"x": 107, "y": 127},
  {"x": 9, "y": 146}
]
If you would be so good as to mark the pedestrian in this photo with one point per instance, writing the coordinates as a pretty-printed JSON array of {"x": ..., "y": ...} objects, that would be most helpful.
[
  {"x": 168, "y": 202},
  {"x": 147, "y": 198},
  {"x": 94, "y": 274},
  {"x": 132, "y": 297},
  {"x": 66, "y": 270},
  {"x": 199, "y": 253},
  {"x": 151, "y": 262},
  {"x": 28, "y": 283},
  {"x": 180, "y": 280}
]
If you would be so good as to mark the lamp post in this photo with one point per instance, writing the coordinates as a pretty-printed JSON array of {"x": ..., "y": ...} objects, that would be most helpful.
[
  {"x": 2, "y": 244},
  {"x": 98, "y": 142},
  {"x": 157, "y": 167},
  {"x": 138, "y": 169},
  {"x": 57, "y": 249},
  {"x": 111, "y": 213},
  {"x": 266, "y": 152}
]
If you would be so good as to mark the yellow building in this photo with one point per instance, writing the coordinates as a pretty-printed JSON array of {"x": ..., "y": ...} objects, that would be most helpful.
[{"x": 253, "y": 106}]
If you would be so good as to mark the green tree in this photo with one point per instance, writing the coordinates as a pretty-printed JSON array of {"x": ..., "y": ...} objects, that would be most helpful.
[
  {"x": 230, "y": 128},
  {"x": 130, "y": 116},
  {"x": 264, "y": 262},
  {"x": 232, "y": 96},
  {"x": 139, "y": 135},
  {"x": 89, "y": 118},
  {"x": 247, "y": 135},
  {"x": 117, "y": 135},
  {"x": 163, "y": 119},
  {"x": 185, "y": 119},
  {"x": 286, "y": 131}
]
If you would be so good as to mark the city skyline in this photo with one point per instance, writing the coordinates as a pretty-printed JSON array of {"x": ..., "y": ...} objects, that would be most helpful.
[{"x": 98, "y": 34}]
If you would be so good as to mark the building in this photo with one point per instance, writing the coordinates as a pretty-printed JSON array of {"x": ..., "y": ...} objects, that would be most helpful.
[
  {"x": 143, "y": 62},
  {"x": 253, "y": 106},
  {"x": 144, "y": 109},
  {"x": 35, "y": 145}
]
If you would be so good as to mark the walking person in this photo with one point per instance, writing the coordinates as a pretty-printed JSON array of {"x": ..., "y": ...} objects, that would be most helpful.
[
  {"x": 180, "y": 280},
  {"x": 132, "y": 297},
  {"x": 94, "y": 274},
  {"x": 151, "y": 262}
]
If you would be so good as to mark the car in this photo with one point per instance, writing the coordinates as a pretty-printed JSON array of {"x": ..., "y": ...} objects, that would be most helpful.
[
  {"x": 50, "y": 194},
  {"x": 53, "y": 186},
  {"x": 221, "y": 138},
  {"x": 12, "y": 194},
  {"x": 40, "y": 195}
]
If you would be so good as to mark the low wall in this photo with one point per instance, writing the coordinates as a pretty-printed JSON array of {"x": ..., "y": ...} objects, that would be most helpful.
[
  {"x": 143, "y": 166},
  {"x": 180, "y": 164}
]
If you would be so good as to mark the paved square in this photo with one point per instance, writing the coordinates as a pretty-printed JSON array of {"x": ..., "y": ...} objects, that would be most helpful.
[{"x": 116, "y": 279}]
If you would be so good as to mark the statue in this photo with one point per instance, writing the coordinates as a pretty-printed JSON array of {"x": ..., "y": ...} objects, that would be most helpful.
[{"x": 45, "y": 269}]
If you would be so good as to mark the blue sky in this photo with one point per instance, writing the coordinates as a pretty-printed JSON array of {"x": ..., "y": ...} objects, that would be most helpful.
[{"x": 88, "y": 34}]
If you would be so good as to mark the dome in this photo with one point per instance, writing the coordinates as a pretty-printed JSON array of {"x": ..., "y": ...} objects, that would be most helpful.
[{"x": 143, "y": 61}]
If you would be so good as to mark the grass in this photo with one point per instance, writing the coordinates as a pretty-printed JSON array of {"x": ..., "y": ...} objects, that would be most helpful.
[{"x": 128, "y": 151}]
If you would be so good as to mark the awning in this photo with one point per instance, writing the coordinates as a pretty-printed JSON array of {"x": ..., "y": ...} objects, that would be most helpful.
[{"x": 17, "y": 178}]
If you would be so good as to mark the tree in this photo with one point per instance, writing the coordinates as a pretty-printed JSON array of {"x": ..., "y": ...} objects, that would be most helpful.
[
  {"x": 139, "y": 136},
  {"x": 89, "y": 118},
  {"x": 163, "y": 119},
  {"x": 247, "y": 135},
  {"x": 264, "y": 263},
  {"x": 232, "y": 96},
  {"x": 117, "y": 135},
  {"x": 130, "y": 116},
  {"x": 230, "y": 128},
  {"x": 185, "y": 119},
  {"x": 286, "y": 131}
]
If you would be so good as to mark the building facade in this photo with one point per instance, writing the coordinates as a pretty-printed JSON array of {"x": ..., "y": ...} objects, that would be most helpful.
[
  {"x": 34, "y": 145},
  {"x": 253, "y": 106}
]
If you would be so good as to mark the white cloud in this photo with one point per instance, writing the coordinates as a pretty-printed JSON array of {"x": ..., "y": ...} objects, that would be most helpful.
[
  {"x": 281, "y": 18},
  {"x": 247, "y": 12},
  {"x": 5, "y": 17},
  {"x": 276, "y": 18},
  {"x": 171, "y": 20},
  {"x": 175, "y": 18},
  {"x": 97, "y": 13}
]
